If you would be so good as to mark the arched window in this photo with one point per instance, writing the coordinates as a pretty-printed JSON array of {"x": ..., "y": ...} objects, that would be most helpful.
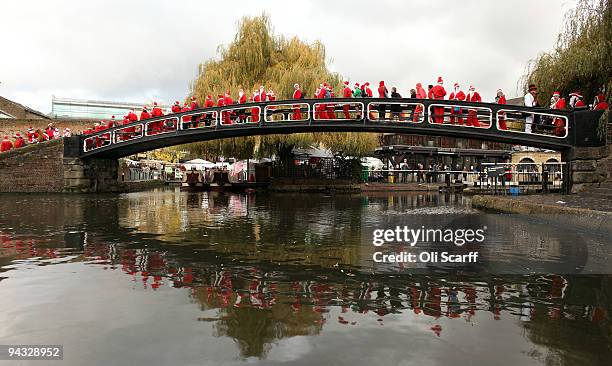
[
  {"x": 526, "y": 165},
  {"x": 553, "y": 165}
]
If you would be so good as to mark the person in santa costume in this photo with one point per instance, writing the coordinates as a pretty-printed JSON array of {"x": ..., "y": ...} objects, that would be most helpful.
[
  {"x": 242, "y": 99},
  {"x": 186, "y": 119},
  {"x": 132, "y": 117},
  {"x": 418, "y": 109},
  {"x": 208, "y": 103},
  {"x": 346, "y": 93},
  {"x": 19, "y": 141},
  {"x": 320, "y": 111},
  {"x": 262, "y": 94},
  {"x": 228, "y": 102},
  {"x": 368, "y": 90},
  {"x": 456, "y": 114},
  {"x": 558, "y": 103},
  {"x": 145, "y": 113},
  {"x": 472, "y": 118},
  {"x": 255, "y": 110},
  {"x": 157, "y": 126},
  {"x": 176, "y": 107},
  {"x": 576, "y": 100},
  {"x": 600, "y": 102},
  {"x": 500, "y": 98},
  {"x": 31, "y": 135},
  {"x": 297, "y": 95},
  {"x": 438, "y": 92},
  {"x": 6, "y": 144},
  {"x": 383, "y": 92}
]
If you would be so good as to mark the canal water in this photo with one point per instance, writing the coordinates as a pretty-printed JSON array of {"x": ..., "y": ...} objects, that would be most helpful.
[{"x": 170, "y": 278}]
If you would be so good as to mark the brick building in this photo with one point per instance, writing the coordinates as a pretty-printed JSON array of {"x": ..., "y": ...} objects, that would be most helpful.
[{"x": 13, "y": 110}]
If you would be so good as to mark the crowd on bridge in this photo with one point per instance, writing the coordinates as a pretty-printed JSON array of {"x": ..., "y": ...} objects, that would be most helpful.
[
  {"x": 325, "y": 91},
  {"x": 33, "y": 136},
  {"x": 358, "y": 90}
]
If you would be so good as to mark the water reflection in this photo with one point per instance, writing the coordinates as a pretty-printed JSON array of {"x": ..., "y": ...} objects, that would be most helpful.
[{"x": 266, "y": 270}]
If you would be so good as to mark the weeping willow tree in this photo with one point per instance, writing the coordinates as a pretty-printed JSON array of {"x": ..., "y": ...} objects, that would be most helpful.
[
  {"x": 581, "y": 58},
  {"x": 257, "y": 57}
]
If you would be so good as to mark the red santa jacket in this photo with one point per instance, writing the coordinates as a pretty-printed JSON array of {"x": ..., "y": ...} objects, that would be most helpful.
[
  {"x": 19, "y": 142},
  {"x": 501, "y": 100},
  {"x": 459, "y": 96},
  {"x": 297, "y": 94},
  {"x": 368, "y": 91},
  {"x": 420, "y": 92},
  {"x": 157, "y": 112},
  {"x": 132, "y": 117},
  {"x": 175, "y": 108},
  {"x": 220, "y": 102},
  {"x": 144, "y": 115},
  {"x": 473, "y": 97},
  {"x": 579, "y": 103},
  {"x": 209, "y": 103},
  {"x": 227, "y": 100},
  {"x": 194, "y": 105},
  {"x": 242, "y": 99},
  {"x": 6, "y": 145},
  {"x": 560, "y": 104},
  {"x": 438, "y": 92},
  {"x": 346, "y": 92},
  {"x": 322, "y": 93}
]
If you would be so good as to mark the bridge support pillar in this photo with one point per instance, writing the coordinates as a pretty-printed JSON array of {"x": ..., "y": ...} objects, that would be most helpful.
[
  {"x": 91, "y": 176},
  {"x": 585, "y": 166}
]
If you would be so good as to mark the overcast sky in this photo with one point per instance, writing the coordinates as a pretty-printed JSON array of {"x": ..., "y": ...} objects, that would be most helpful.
[{"x": 149, "y": 50}]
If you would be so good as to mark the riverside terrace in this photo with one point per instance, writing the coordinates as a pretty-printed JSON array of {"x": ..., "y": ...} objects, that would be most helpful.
[{"x": 551, "y": 129}]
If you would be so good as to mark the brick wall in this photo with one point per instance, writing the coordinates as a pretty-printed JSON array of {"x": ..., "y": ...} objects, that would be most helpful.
[
  {"x": 34, "y": 168},
  {"x": 12, "y": 126}
]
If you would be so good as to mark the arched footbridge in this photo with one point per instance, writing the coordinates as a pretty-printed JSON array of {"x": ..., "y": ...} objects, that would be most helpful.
[{"x": 537, "y": 127}]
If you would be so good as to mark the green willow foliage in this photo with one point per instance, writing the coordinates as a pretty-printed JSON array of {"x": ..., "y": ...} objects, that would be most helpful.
[
  {"x": 582, "y": 56},
  {"x": 257, "y": 57}
]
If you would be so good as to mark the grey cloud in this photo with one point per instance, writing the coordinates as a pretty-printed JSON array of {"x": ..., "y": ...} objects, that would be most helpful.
[{"x": 140, "y": 50}]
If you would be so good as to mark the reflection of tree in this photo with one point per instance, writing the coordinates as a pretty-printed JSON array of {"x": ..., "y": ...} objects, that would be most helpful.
[{"x": 254, "y": 330}]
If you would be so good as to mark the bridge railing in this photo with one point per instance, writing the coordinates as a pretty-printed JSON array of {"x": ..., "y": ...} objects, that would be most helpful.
[
  {"x": 493, "y": 119},
  {"x": 294, "y": 112},
  {"x": 396, "y": 112}
]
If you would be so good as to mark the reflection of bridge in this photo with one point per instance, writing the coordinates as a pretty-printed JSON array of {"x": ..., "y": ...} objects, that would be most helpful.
[{"x": 552, "y": 129}]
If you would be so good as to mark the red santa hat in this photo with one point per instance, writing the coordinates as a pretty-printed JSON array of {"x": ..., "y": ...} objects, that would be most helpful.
[
  {"x": 356, "y": 85},
  {"x": 440, "y": 81},
  {"x": 456, "y": 85},
  {"x": 346, "y": 82},
  {"x": 176, "y": 102},
  {"x": 367, "y": 83},
  {"x": 30, "y": 128},
  {"x": 193, "y": 97},
  {"x": 155, "y": 104},
  {"x": 472, "y": 87},
  {"x": 144, "y": 107},
  {"x": 6, "y": 137},
  {"x": 382, "y": 83},
  {"x": 296, "y": 86},
  {"x": 556, "y": 94},
  {"x": 17, "y": 134},
  {"x": 600, "y": 98},
  {"x": 112, "y": 117}
]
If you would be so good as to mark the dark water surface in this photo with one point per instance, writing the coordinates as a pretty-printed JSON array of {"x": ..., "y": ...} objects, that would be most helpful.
[{"x": 170, "y": 278}]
